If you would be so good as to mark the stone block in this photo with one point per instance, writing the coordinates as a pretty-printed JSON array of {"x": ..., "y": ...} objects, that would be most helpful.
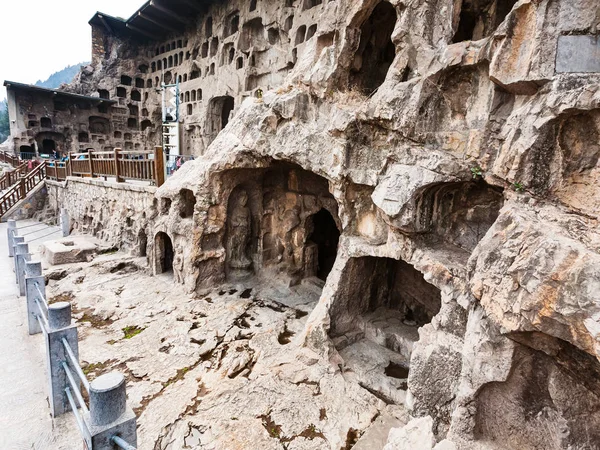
[{"x": 70, "y": 250}]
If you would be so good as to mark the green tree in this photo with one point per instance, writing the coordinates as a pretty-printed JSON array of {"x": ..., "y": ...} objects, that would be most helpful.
[{"x": 4, "y": 123}]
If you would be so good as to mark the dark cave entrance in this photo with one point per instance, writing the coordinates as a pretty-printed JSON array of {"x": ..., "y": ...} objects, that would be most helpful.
[
  {"x": 228, "y": 104},
  {"x": 375, "y": 317},
  {"x": 219, "y": 112},
  {"x": 325, "y": 236},
  {"x": 187, "y": 203},
  {"x": 478, "y": 19},
  {"x": 26, "y": 152},
  {"x": 143, "y": 243},
  {"x": 376, "y": 51},
  {"x": 164, "y": 253},
  {"x": 48, "y": 147}
]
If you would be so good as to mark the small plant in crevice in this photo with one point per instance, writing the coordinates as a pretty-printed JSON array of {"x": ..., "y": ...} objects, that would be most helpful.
[
  {"x": 518, "y": 186},
  {"x": 477, "y": 172},
  {"x": 131, "y": 331}
]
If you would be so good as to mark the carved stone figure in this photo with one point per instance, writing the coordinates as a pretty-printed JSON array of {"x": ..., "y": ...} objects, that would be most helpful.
[
  {"x": 239, "y": 233},
  {"x": 289, "y": 219}
]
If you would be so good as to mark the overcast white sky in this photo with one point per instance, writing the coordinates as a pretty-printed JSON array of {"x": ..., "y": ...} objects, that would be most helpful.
[{"x": 40, "y": 37}]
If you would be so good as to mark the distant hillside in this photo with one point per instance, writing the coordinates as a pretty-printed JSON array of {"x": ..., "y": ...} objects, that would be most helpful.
[
  {"x": 4, "y": 126},
  {"x": 64, "y": 76}
]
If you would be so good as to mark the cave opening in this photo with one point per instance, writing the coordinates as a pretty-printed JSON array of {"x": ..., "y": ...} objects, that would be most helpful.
[
  {"x": 48, "y": 147},
  {"x": 187, "y": 203},
  {"x": 376, "y": 51},
  {"x": 142, "y": 243},
  {"x": 375, "y": 317},
  {"x": 478, "y": 19},
  {"x": 281, "y": 221},
  {"x": 324, "y": 237},
  {"x": 26, "y": 152},
  {"x": 164, "y": 253}
]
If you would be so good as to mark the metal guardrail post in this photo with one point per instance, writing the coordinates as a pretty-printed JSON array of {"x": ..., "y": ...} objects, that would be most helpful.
[
  {"x": 21, "y": 256},
  {"x": 65, "y": 222},
  {"x": 35, "y": 289},
  {"x": 59, "y": 327},
  {"x": 10, "y": 231},
  {"x": 109, "y": 414}
]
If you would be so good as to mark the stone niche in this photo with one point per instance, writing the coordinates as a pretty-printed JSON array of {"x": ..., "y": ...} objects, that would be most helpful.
[
  {"x": 376, "y": 51},
  {"x": 164, "y": 254},
  {"x": 375, "y": 316},
  {"x": 458, "y": 213},
  {"x": 478, "y": 19},
  {"x": 280, "y": 219},
  {"x": 549, "y": 400}
]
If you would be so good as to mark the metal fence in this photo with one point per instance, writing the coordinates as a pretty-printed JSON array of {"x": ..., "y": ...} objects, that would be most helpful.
[
  {"x": 174, "y": 162},
  {"x": 105, "y": 421}
]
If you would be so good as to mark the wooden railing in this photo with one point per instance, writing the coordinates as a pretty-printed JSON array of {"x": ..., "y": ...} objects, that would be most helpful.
[
  {"x": 8, "y": 158},
  {"x": 121, "y": 164},
  {"x": 10, "y": 178},
  {"x": 20, "y": 190}
]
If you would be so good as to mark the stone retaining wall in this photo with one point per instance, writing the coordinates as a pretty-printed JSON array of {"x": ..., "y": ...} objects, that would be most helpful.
[{"x": 118, "y": 213}]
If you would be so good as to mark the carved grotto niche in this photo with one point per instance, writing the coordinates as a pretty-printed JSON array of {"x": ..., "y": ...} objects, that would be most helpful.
[
  {"x": 377, "y": 310},
  {"x": 239, "y": 232},
  {"x": 283, "y": 220}
]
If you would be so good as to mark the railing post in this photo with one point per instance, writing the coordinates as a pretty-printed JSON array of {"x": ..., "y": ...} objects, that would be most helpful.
[
  {"x": 117, "y": 171},
  {"x": 69, "y": 168},
  {"x": 65, "y": 222},
  {"x": 159, "y": 166},
  {"x": 21, "y": 256},
  {"x": 16, "y": 241},
  {"x": 109, "y": 413},
  {"x": 34, "y": 282},
  {"x": 59, "y": 327},
  {"x": 91, "y": 164},
  {"x": 10, "y": 231},
  {"x": 22, "y": 189}
]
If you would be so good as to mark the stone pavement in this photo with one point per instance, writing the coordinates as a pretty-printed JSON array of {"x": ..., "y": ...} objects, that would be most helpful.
[{"x": 25, "y": 422}]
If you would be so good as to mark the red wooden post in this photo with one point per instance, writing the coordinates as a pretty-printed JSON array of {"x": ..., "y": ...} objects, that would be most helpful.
[
  {"x": 91, "y": 164},
  {"x": 117, "y": 169},
  {"x": 22, "y": 190},
  {"x": 159, "y": 166}
]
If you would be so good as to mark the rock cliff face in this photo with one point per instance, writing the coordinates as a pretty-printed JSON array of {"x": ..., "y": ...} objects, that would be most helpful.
[
  {"x": 461, "y": 174},
  {"x": 426, "y": 160}
]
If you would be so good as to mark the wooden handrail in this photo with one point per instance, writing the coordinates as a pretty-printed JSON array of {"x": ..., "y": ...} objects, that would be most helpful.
[
  {"x": 20, "y": 190},
  {"x": 121, "y": 164}
]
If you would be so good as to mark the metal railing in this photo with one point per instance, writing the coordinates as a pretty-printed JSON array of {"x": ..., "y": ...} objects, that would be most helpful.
[
  {"x": 105, "y": 420},
  {"x": 174, "y": 162}
]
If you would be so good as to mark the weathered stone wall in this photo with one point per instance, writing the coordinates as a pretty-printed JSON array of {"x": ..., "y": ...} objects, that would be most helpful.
[{"x": 120, "y": 214}]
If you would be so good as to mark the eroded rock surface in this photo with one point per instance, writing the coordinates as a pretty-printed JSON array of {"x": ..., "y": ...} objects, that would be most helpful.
[{"x": 409, "y": 188}]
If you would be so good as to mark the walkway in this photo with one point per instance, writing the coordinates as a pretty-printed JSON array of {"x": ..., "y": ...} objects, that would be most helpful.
[{"x": 25, "y": 422}]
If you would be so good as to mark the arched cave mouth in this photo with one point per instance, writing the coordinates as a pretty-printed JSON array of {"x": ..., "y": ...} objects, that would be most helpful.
[
  {"x": 375, "y": 316},
  {"x": 281, "y": 221},
  {"x": 376, "y": 51},
  {"x": 164, "y": 253}
]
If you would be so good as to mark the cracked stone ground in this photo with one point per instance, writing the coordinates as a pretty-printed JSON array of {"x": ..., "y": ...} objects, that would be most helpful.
[{"x": 216, "y": 371}]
